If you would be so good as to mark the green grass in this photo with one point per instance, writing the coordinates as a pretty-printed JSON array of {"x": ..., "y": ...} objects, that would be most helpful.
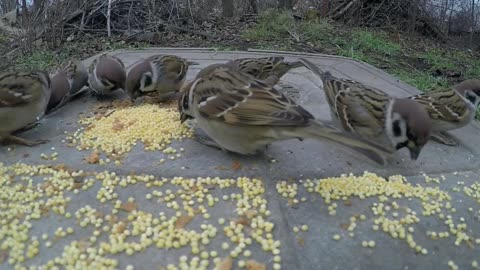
[
  {"x": 278, "y": 30},
  {"x": 222, "y": 47},
  {"x": 111, "y": 45},
  {"x": 3, "y": 38},
  {"x": 438, "y": 59},
  {"x": 366, "y": 46},
  {"x": 272, "y": 26},
  {"x": 45, "y": 59},
  {"x": 39, "y": 60},
  {"x": 422, "y": 80},
  {"x": 316, "y": 31}
]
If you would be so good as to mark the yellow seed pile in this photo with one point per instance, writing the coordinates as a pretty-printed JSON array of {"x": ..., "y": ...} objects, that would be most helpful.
[
  {"x": 120, "y": 225},
  {"x": 389, "y": 216},
  {"x": 156, "y": 127},
  {"x": 473, "y": 191}
]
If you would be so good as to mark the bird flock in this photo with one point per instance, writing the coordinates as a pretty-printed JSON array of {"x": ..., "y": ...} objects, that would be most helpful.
[{"x": 240, "y": 107}]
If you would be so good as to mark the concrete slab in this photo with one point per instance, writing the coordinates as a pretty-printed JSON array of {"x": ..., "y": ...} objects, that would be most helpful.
[{"x": 313, "y": 249}]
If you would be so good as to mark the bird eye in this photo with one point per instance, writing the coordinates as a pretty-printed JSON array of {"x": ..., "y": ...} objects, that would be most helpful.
[{"x": 147, "y": 80}]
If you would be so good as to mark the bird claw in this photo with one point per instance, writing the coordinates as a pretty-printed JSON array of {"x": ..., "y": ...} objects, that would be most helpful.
[
  {"x": 30, "y": 126},
  {"x": 203, "y": 138},
  {"x": 21, "y": 141},
  {"x": 444, "y": 138}
]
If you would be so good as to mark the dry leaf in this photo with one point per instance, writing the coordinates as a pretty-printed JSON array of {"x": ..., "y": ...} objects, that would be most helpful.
[
  {"x": 118, "y": 126},
  {"x": 147, "y": 143},
  {"x": 44, "y": 185},
  {"x": 344, "y": 226},
  {"x": 225, "y": 264},
  {"x": 112, "y": 219},
  {"x": 301, "y": 241},
  {"x": 122, "y": 103},
  {"x": 121, "y": 227},
  {"x": 93, "y": 158},
  {"x": 347, "y": 203},
  {"x": 83, "y": 245},
  {"x": 182, "y": 221},
  {"x": 253, "y": 265},
  {"x": 3, "y": 256},
  {"x": 290, "y": 202},
  {"x": 60, "y": 167},
  {"x": 129, "y": 206},
  {"x": 88, "y": 129},
  {"x": 236, "y": 165},
  {"x": 77, "y": 185},
  {"x": 243, "y": 220}
]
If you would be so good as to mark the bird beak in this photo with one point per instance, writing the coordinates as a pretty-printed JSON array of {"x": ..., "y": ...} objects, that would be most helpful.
[
  {"x": 183, "y": 117},
  {"x": 132, "y": 99},
  {"x": 414, "y": 152},
  {"x": 192, "y": 63}
]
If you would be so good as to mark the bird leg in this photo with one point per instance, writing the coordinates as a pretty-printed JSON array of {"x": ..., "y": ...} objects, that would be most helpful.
[
  {"x": 30, "y": 126},
  {"x": 444, "y": 138},
  {"x": 17, "y": 140}
]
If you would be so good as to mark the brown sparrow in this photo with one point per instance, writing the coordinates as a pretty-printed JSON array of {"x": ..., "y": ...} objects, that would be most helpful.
[
  {"x": 374, "y": 115},
  {"x": 451, "y": 108},
  {"x": 242, "y": 114},
  {"x": 23, "y": 99},
  {"x": 106, "y": 74},
  {"x": 157, "y": 76},
  {"x": 67, "y": 82}
]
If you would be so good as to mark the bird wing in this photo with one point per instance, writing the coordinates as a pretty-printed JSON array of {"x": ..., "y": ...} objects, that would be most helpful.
[
  {"x": 361, "y": 111},
  {"x": 236, "y": 98},
  {"x": 170, "y": 67},
  {"x": 443, "y": 104},
  {"x": 17, "y": 89}
]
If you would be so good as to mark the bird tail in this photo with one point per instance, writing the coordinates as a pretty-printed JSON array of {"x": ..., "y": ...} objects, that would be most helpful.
[
  {"x": 315, "y": 69},
  {"x": 295, "y": 64},
  {"x": 319, "y": 130},
  {"x": 331, "y": 86}
]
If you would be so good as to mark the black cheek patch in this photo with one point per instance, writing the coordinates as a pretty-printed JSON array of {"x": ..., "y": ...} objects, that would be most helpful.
[
  {"x": 471, "y": 97},
  {"x": 397, "y": 131},
  {"x": 148, "y": 81}
]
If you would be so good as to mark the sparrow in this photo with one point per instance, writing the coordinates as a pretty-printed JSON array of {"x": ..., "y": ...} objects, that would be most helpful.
[
  {"x": 242, "y": 114},
  {"x": 23, "y": 99},
  {"x": 157, "y": 75},
  {"x": 372, "y": 114},
  {"x": 451, "y": 108},
  {"x": 272, "y": 68},
  {"x": 106, "y": 74},
  {"x": 66, "y": 82}
]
